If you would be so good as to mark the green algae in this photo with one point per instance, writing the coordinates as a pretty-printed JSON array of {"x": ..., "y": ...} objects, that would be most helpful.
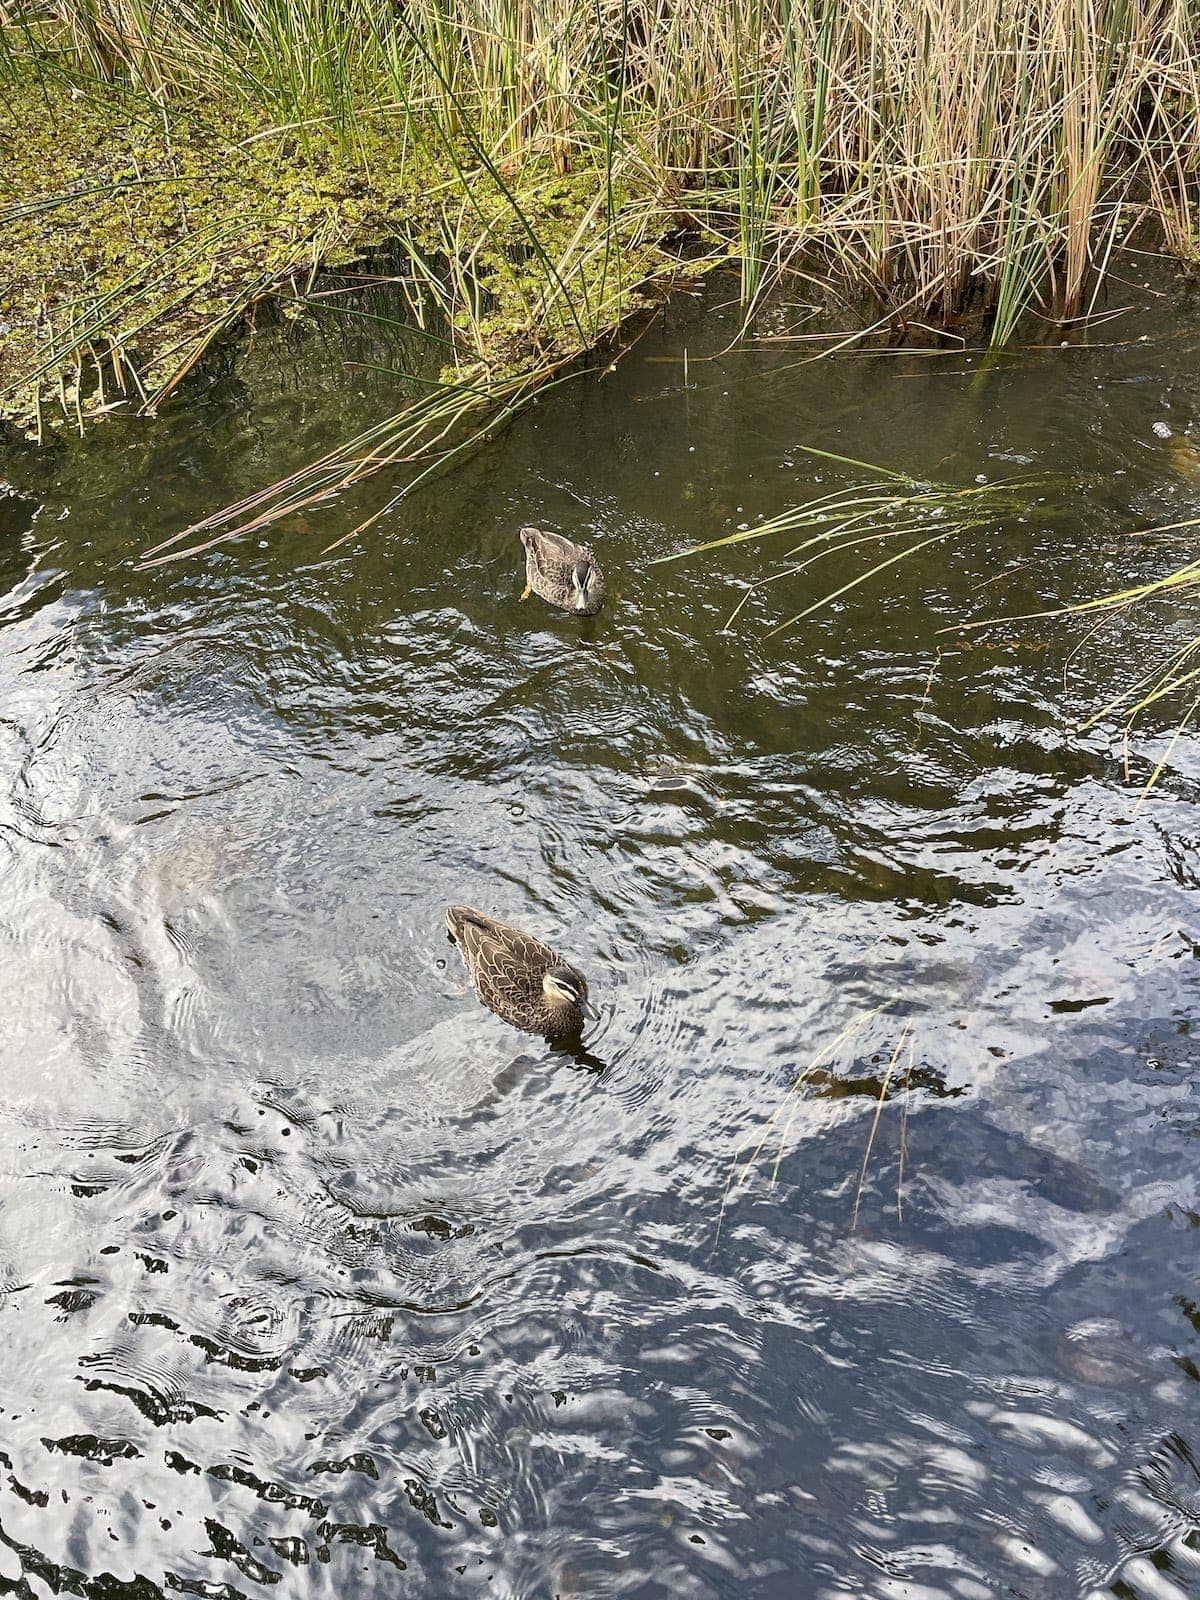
[{"x": 132, "y": 238}]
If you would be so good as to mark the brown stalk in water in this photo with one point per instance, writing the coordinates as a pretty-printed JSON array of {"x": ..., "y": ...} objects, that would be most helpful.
[
  {"x": 906, "y": 1033},
  {"x": 789, "y": 1104}
]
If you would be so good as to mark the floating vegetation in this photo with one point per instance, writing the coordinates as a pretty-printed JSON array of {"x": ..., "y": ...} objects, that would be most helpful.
[
  {"x": 112, "y": 291},
  {"x": 866, "y": 516}
]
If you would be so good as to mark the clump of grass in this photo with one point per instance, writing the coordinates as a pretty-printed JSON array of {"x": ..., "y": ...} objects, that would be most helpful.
[
  {"x": 885, "y": 508},
  {"x": 951, "y": 157},
  {"x": 119, "y": 277}
]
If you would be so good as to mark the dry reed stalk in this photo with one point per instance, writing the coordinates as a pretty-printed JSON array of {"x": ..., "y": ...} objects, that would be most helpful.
[
  {"x": 970, "y": 150},
  {"x": 905, "y": 1034}
]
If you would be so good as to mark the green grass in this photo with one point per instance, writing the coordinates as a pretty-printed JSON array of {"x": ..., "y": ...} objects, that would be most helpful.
[
  {"x": 954, "y": 158},
  {"x": 869, "y": 517}
]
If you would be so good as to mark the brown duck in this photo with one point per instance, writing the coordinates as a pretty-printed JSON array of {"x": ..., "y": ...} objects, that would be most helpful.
[
  {"x": 562, "y": 572},
  {"x": 518, "y": 977}
]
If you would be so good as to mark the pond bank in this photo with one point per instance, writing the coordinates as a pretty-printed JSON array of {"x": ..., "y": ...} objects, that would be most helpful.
[
  {"x": 134, "y": 240},
  {"x": 539, "y": 162}
]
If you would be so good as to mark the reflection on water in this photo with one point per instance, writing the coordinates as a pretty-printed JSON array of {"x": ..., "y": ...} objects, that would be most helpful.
[{"x": 316, "y": 1280}]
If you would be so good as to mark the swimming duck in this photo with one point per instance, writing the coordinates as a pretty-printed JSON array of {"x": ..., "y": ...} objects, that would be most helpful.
[
  {"x": 518, "y": 977},
  {"x": 562, "y": 572}
]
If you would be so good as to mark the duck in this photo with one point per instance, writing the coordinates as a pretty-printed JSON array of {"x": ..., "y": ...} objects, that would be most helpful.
[
  {"x": 562, "y": 572},
  {"x": 518, "y": 977}
]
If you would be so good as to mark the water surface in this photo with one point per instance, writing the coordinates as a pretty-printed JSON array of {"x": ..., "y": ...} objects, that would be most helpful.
[{"x": 317, "y": 1280}]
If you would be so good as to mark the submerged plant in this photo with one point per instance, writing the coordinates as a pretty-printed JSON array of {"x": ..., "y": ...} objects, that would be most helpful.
[{"x": 866, "y": 516}]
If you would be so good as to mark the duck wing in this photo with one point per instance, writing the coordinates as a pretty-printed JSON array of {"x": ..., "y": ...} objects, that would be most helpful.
[
  {"x": 552, "y": 553},
  {"x": 503, "y": 961}
]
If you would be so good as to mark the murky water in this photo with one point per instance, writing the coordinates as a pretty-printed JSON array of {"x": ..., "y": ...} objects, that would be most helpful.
[{"x": 317, "y": 1280}]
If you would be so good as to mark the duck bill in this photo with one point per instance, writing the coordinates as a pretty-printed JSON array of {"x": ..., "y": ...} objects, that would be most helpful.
[{"x": 589, "y": 1010}]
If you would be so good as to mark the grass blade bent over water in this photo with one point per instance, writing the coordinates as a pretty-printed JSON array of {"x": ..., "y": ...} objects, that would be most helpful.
[{"x": 887, "y": 507}]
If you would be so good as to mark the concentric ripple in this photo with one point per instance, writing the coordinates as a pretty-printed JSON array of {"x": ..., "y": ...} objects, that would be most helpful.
[{"x": 855, "y": 1254}]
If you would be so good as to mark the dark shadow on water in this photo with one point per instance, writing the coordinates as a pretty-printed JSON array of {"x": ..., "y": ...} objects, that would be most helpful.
[{"x": 580, "y": 1056}]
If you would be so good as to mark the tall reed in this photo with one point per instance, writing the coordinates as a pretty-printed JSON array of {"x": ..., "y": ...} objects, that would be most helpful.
[{"x": 948, "y": 152}]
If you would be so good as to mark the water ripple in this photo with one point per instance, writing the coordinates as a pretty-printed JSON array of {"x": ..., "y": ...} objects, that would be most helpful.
[{"x": 855, "y": 1257}]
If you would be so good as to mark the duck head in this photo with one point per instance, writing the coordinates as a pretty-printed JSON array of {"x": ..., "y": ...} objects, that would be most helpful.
[
  {"x": 586, "y": 587},
  {"x": 566, "y": 988}
]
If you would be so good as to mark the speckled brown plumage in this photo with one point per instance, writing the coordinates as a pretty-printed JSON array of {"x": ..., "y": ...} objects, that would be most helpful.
[
  {"x": 509, "y": 971},
  {"x": 564, "y": 573}
]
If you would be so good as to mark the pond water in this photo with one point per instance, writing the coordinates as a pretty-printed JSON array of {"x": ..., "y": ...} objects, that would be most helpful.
[{"x": 317, "y": 1280}]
